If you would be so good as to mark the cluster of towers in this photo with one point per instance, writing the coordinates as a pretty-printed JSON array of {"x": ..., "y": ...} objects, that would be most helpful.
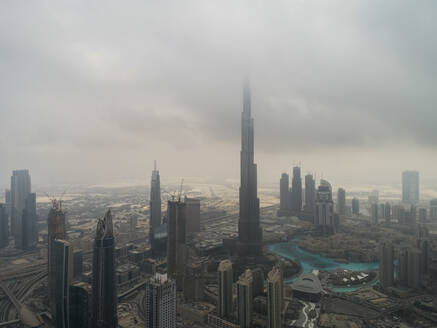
[
  {"x": 248, "y": 285},
  {"x": 318, "y": 203},
  {"x": 291, "y": 198},
  {"x": 411, "y": 265},
  {"x": 72, "y": 303}
]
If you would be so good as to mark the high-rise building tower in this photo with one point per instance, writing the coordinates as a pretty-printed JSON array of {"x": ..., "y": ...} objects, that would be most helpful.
[
  {"x": 104, "y": 299},
  {"x": 422, "y": 215},
  {"x": 176, "y": 248},
  {"x": 8, "y": 204},
  {"x": 4, "y": 226},
  {"x": 20, "y": 191},
  {"x": 414, "y": 268},
  {"x": 433, "y": 209},
  {"x": 355, "y": 206},
  {"x": 296, "y": 191},
  {"x": 225, "y": 279},
  {"x": 310, "y": 193},
  {"x": 324, "y": 208},
  {"x": 155, "y": 203},
  {"x": 386, "y": 267},
  {"x": 249, "y": 230},
  {"x": 244, "y": 299},
  {"x": 160, "y": 302},
  {"x": 274, "y": 298},
  {"x": 193, "y": 214},
  {"x": 64, "y": 275},
  {"x": 402, "y": 267},
  {"x": 410, "y": 187},
  {"x": 387, "y": 212},
  {"x": 28, "y": 235},
  {"x": 56, "y": 230},
  {"x": 284, "y": 193},
  {"x": 80, "y": 301},
  {"x": 341, "y": 201},
  {"x": 423, "y": 246}
]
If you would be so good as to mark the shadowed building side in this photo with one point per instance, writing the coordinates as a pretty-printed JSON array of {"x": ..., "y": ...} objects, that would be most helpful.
[
  {"x": 225, "y": 280},
  {"x": 104, "y": 299},
  {"x": 4, "y": 227},
  {"x": 64, "y": 275},
  {"x": 155, "y": 205},
  {"x": 249, "y": 230},
  {"x": 245, "y": 299},
  {"x": 56, "y": 230},
  {"x": 176, "y": 249}
]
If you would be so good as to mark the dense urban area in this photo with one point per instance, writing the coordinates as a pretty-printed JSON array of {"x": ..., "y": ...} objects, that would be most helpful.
[{"x": 205, "y": 254}]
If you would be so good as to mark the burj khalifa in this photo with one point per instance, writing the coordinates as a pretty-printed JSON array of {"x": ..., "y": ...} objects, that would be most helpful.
[{"x": 249, "y": 230}]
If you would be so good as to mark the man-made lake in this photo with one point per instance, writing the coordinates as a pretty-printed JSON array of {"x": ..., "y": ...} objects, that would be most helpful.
[{"x": 310, "y": 261}]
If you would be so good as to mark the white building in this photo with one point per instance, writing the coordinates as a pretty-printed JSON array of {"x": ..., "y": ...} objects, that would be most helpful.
[{"x": 160, "y": 307}]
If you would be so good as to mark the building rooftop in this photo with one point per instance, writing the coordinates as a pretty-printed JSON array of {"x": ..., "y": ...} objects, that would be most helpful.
[{"x": 308, "y": 283}]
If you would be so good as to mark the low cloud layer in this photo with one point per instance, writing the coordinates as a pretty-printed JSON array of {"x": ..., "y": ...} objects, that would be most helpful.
[{"x": 96, "y": 91}]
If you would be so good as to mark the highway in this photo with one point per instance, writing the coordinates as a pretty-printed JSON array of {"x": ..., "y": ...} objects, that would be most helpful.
[{"x": 12, "y": 307}]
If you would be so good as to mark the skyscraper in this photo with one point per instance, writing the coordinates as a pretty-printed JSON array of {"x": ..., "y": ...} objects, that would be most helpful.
[
  {"x": 355, "y": 206},
  {"x": 193, "y": 214},
  {"x": 225, "y": 279},
  {"x": 8, "y": 202},
  {"x": 4, "y": 226},
  {"x": 433, "y": 209},
  {"x": 387, "y": 212},
  {"x": 284, "y": 193},
  {"x": 422, "y": 215},
  {"x": 104, "y": 299},
  {"x": 296, "y": 191},
  {"x": 414, "y": 268},
  {"x": 56, "y": 230},
  {"x": 324, "y": 208},
  {"x": 402, "y": 276},
  {"x": 244, "y": 299},
  {"x": 410, "y": 187},
  {"x": 176, "y": 249},
  {"x": 341, "y": 201},
  {"x": 249, "y": 230},
  {"x": 20, "y": 191},
  {"x": 80, "y": 295},
  {"x": 274, "y": 298},
  {"x": 423, "y": 246},
  {"x": 310, "y": 193},
  {"x": 160, "y": 302},
  {"x": 64, "y": 275},
  {"x": 155, "y": 203},
  {"x": 27, "y": 236},
  {"x": 386, "y": 267}
]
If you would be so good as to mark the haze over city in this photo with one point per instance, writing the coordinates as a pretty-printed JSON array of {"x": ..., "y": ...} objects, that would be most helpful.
[
  {"x": 214, "y": 164},
  {"x": 92, "y": 94}
]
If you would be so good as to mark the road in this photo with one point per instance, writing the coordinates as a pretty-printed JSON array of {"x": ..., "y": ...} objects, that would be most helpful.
[{"x": 12, "y": 307}]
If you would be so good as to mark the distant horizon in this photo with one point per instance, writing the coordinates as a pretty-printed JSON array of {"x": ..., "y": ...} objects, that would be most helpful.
[{"x": 345, "y": 88}]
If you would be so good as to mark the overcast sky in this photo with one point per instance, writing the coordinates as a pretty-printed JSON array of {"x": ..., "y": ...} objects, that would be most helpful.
[{"x": 93, "y": 91}]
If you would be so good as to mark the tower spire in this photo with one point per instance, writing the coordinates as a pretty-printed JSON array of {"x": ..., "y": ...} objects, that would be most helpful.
[
  {"x": 246, "y": 97},
  {"x": 249, "y": 230}
]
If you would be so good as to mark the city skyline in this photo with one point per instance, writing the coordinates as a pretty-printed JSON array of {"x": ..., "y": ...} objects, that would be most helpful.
[{"x": 132, "y": 89}]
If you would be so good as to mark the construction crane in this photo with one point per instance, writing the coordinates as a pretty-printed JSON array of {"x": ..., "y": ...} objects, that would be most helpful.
[{"x": 180, "y": 190}]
